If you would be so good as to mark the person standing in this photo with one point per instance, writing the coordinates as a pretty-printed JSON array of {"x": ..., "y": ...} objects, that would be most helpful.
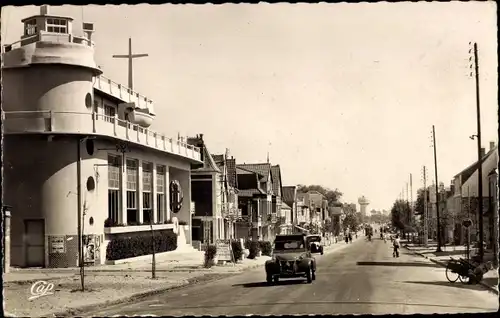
[
  {"x": 350, "y": 237},
  {"x": 396, "y": 245}
]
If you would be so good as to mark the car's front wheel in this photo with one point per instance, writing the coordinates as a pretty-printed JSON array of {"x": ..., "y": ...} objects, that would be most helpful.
[
  {"x": 276, "y": 279},
  {"x": 269, "y": 278},
  {"x": 309, "y": 275}
]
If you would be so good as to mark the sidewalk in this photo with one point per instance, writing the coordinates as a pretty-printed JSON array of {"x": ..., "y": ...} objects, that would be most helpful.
[
  {"x": 107, "y": 284},
  {"x": 490, "y": 279}
]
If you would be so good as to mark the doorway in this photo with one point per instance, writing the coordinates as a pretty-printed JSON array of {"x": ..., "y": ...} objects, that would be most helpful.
[{"x": 35, "y": 243}]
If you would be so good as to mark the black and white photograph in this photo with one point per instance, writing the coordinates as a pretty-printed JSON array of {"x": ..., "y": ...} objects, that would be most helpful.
[{"x": 249, "y": 159}]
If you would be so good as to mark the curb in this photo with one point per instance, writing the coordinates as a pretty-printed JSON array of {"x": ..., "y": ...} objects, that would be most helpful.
[
  {"x": 490, "y": 288},
  {"x": 85, "y": 308}
]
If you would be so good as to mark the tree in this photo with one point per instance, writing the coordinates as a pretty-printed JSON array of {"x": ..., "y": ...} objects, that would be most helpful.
[
  {"x": 400, "y": 214},
  {"x": 332, "y": 196},
  {"x": 328, "y": 226},
  {"x": 350, "y": 222},
  {"x": 419, "y": 203}
]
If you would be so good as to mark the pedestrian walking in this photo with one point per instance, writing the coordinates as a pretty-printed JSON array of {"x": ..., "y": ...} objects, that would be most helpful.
[
  {"x": 395, "y": 245},
  {"x": 350, "y": 237},
  {"x": 347, "y": 239}
]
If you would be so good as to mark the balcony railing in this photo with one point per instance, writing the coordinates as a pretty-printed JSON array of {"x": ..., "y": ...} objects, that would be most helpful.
[
  {"x": 124, "y": 93},
  {"x": 94, "y": 124},
  {"x": 49, "y": 37}
]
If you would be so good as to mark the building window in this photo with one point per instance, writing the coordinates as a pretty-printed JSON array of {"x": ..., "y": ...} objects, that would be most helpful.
[
  {"x": 109, "y": 113},
  {"x": 160, "y": 193},
  {"x": 132, "y": 215},
  {"x": 30, "y": 28},
  {"x": 57, "y": 25},
  {"x": 147, "y": 191},
  {"x": 113, "y": 188}
]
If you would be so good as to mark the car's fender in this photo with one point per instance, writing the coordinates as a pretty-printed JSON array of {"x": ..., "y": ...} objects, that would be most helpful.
[{"x": 271, "y": 266}]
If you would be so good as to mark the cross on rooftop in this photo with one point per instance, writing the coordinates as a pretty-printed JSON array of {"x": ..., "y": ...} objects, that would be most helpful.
[{"x": 130, "y": 56}]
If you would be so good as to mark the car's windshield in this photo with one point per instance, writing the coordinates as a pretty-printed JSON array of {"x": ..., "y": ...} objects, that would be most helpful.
[
  {"x": 288, "y": 245},
  {"x": 315, "y": 239}
]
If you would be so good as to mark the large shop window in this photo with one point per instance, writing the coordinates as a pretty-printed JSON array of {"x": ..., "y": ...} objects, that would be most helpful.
[
  {"x": 160, "y": 193},
  {"x": 113, "y": 188},
  {"x": 147, "y": 191},
  {"x": 132, "y": 213}
]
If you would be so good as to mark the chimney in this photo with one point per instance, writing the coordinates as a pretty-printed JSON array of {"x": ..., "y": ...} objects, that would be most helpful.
[
  {"x": 201, "y": 137},
  {"x": 492, "y": 145},
  {"x": 44, "y": 9},
  {"x": 482, "y": 152}
]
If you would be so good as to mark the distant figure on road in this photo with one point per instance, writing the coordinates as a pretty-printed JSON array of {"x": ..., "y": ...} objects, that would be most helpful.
[
  {"x": 395, "y": 245},
  {"x": 347, "y": 239},
  {"x": 350, "y": 237}
]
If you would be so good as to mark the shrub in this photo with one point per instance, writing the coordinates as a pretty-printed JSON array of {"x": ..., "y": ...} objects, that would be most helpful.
[
  {"x": 237, "y": 250},
  {"x": 126, "y": 247},
  {"x": 253, "y": 249},
  {"x": 266, "y": 248},
  {"x": 247, "y": 244},
  {"x": 210, "y": 253},
  {"x": 183, "y": 223}
]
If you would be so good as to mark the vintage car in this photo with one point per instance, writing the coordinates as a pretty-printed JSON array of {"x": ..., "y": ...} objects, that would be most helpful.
[
  {"x": 291, "y": 258},
  {"x": 315, "y": 244}
]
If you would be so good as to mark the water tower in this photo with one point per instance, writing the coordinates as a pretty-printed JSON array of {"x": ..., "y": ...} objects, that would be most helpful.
[{"x": 363, "y": 203}]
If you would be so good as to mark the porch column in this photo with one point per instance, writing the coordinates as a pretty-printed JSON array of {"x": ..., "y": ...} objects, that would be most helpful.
[
  {"x": 6, "y": 238},
  {"x": 167, "y": 212},
  {"x": 139, "y": 191},
  {"x": 153, "y": 197},
  {"x": 123, "y": 186}
]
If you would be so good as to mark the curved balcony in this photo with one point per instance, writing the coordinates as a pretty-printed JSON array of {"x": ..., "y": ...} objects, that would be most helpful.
[
  {"x": 140, "y": 117},
  {"x": 20, "y": 122}
]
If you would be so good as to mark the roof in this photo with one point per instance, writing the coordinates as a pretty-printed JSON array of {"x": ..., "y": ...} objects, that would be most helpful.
[
  {"x": 249, "y": 192},
  {"x": 218, "y": 158},
  {"x": 288, "y": 194},
  {"x": 209, "y": 164},
  {"x": 467, "y": 172},
  {"x": 285, "y": 206},
  {"x": 261, "y": 168},
  {"x": 276, "y": 175}
]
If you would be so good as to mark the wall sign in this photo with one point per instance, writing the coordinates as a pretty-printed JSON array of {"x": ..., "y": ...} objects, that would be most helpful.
[
  {"x": 224, "y": 251},
  {"x": 176, "y": 196},
  {"x": 57, "y": 244}
]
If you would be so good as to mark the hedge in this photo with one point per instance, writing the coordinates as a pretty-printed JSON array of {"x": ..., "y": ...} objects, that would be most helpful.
[
  {"x": 125, "y": 247},
  {"x": 254, "y": 248},
  {"x": 210, "y": 253},
  {"x": 266, "y": 248},
  {"x": 237, "y": 250}
]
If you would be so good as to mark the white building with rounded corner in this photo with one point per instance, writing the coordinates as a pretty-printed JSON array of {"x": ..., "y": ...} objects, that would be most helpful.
[{"x": 77, "y": 147}]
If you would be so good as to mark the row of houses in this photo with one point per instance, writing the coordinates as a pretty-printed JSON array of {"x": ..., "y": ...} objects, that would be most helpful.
[
  {"x": 83, "y": 167},
  {"x": 247, "y": 200},
  {"x": 460, "y": 200}
]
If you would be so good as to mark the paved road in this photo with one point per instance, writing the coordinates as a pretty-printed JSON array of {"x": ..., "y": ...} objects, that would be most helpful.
[{"x": 362, "y": 278}]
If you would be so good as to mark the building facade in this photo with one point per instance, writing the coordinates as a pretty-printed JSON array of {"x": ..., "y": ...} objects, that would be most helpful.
[{"x": 94, "y": 170}]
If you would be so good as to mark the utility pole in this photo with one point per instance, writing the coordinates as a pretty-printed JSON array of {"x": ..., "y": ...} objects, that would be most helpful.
[
  {"x": 426, "y": 231},
  {"x": 479, "y": 158},
  {"x": 437, "y": 192},
  {"x": 130, "y": 56},
  {"x": 411, "y": 199}
]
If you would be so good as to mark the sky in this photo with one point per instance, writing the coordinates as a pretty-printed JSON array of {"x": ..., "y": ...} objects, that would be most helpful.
[{"x": 341, "y": 95}]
